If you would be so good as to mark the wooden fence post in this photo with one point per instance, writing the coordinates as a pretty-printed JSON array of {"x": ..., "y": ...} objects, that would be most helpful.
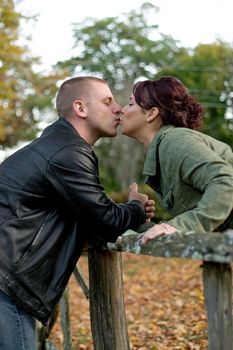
[
  {"x": 65, "y": 320},
  {"x": 107, "y": 310},
  {"x": 217, "y": 280}
]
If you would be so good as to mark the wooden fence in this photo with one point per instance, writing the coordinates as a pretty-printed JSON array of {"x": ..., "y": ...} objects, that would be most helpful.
[{"x": 107, "y": 312}]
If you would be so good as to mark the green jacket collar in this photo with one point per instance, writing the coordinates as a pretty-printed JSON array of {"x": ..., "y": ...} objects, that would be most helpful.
[{"x": 150, "y": 165}]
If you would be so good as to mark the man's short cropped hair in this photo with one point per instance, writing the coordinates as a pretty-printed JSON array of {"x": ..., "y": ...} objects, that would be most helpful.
[{"x": 73, "y": 89}]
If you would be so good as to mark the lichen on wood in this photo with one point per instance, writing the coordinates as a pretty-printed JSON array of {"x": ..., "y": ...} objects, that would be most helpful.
[{"x": 214, "y": 246}]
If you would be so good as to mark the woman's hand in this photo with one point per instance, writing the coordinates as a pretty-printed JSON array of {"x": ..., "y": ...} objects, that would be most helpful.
[{"x": 157, "y": 230}]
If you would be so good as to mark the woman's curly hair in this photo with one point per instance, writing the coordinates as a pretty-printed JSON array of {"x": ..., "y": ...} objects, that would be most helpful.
[{"x": 176, "y": 106}]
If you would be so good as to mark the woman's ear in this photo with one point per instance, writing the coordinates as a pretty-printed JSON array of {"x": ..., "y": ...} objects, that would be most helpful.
[
  {"x": 80, "y": 108},
  {"x": 154, "y": 112}
]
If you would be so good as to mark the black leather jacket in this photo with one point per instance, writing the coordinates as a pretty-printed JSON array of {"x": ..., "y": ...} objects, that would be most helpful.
[{"x": 51, "y": 201}]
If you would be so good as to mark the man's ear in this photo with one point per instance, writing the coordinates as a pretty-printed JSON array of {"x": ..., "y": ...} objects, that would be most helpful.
[
  {"x": 80, "y": 108},
  {"x": 153, "y": 113}
]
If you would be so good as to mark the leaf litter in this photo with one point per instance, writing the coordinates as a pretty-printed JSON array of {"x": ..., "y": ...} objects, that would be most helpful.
[{"x": 164, "y": 305}]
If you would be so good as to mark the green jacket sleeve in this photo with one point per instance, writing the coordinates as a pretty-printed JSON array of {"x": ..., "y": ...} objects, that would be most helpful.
[{"x": 192, "y": 161}]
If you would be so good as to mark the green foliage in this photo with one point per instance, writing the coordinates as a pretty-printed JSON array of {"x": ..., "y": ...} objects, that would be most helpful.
[
  {"x": 121, "y": 162},
  {"x": 23, "y": 93},
  {"x": 207, "y": 72}
]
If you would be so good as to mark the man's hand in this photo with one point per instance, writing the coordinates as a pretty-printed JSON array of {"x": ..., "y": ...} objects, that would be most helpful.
[
  {"x": 150, "y": 209},
  {"x": 149, "y": 204}
]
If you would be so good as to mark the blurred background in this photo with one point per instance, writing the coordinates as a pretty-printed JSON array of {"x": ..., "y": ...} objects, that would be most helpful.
[{"x": 44, "y": 42}]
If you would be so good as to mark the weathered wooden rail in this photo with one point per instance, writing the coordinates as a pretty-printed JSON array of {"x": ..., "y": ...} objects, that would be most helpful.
[{"x": 109, "y": 329}]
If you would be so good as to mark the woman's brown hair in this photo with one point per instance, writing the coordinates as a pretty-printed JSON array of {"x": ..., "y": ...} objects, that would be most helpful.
[{"x": 176, "y": 106}]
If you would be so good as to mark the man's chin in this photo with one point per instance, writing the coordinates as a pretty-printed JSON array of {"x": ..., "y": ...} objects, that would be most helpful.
[{"x": 111, "y": 134}]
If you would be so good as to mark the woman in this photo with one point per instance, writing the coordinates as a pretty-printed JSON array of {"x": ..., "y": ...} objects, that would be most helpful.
[{"x": 191, "y": 173}]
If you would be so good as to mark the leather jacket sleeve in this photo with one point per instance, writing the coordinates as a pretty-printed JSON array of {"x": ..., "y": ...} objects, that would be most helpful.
[{"x": 73, "y": 174}]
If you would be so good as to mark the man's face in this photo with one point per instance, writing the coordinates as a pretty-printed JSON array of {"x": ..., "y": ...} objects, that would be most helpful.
[{"x": 102, "y": 111}]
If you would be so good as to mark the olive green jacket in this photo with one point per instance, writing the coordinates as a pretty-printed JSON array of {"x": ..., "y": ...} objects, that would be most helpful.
[{"x": 192, "y": 175}]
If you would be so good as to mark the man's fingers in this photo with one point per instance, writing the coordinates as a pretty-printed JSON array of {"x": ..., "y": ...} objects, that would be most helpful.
[
  {"x": 150, "y": 216},
  {"x": 150, "y": 209},
  {"x": 150, "y": 205}
]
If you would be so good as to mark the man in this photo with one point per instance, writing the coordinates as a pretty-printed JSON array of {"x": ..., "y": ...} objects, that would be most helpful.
[{"x": 51, "y": 202}]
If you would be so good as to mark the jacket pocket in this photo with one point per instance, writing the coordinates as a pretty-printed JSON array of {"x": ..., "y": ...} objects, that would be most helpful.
[{"x": 34, "y": 243}]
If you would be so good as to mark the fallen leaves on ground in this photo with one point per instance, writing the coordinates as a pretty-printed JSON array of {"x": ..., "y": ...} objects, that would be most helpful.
[{"x": 164, "y": 306}]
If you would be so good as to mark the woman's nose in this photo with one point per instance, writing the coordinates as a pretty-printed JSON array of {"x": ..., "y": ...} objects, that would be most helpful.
[{"x": 122, "y": 110}]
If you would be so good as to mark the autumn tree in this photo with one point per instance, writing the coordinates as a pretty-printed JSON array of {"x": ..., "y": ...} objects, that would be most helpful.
[{"x": 23, "y": 92}]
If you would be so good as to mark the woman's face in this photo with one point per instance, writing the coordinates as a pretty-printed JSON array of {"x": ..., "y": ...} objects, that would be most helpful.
[{"x": 133, "y": 118}]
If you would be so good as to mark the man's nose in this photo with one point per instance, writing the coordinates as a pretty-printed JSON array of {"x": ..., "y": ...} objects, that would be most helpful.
[{"x": 117, "y": 109}]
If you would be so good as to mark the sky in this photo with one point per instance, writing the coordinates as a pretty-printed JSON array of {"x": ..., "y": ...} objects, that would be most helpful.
[{"x": 191, "y": 22}]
